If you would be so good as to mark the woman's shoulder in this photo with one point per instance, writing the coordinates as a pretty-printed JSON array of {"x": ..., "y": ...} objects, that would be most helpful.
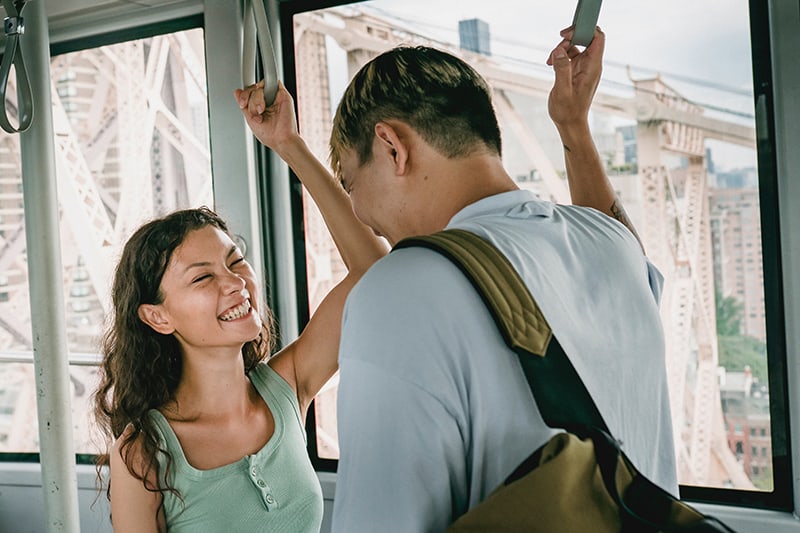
[
  {"x": 133, "y": 483},
  {"x": 274, "y": 376},
  {"x": 267, "y": 371},
  {"x": 126, "y": 456}
]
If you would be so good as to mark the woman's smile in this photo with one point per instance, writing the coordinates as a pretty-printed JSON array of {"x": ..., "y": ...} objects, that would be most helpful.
[{"x": 236, "y": 312}]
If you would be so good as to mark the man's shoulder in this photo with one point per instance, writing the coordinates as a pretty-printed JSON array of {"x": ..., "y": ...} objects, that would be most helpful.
[
  {"x": 405, "y": 269},
  {"x": 412, "y": 286}
]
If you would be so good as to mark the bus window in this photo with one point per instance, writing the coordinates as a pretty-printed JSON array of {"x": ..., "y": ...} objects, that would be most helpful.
[
  {"x": 676, "y": 128},
  {"x": 131, "y": 143}
]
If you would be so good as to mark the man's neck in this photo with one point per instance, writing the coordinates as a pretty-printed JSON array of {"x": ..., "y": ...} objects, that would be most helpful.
[{"x": 462, "y": 182}]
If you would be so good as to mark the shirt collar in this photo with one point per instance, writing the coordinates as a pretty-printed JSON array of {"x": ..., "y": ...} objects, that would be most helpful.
[{"x": 518, "y": 203}]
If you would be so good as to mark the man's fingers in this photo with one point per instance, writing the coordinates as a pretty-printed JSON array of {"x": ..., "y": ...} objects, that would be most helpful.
[
  {"x": 564, "y": 44},
  {"x": 562, "y": 67},
  {"x": 559, "y": 57},
  {"x": 573, "y": 51},
  {"x": 598, "y": 43}
]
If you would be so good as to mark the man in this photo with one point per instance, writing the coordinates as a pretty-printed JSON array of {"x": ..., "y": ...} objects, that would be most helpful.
[{"x": 434, "y": 410}]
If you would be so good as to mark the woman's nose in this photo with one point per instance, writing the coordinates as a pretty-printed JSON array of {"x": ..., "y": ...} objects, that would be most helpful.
[{"x": 233, "y": 282}]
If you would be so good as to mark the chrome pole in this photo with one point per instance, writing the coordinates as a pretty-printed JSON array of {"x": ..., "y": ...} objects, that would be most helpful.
[{"x": 45, "y": 275}]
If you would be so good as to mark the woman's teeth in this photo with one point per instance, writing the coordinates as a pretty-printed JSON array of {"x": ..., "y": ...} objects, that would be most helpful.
[{"x": 238, "y": 312}]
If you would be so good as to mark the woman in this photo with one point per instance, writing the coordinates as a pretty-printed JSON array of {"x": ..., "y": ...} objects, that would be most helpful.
[{"x": 208, "y": 431}]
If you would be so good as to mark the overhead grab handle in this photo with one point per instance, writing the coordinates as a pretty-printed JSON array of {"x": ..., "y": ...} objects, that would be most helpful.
[
  {"x": 14, "y": 26},
  {"x": 256, "y": 29},
  {"x": 585, "y": 20}
]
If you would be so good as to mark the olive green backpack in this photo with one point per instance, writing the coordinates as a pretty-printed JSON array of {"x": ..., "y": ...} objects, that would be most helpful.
[{"x": 580, "y": 480}]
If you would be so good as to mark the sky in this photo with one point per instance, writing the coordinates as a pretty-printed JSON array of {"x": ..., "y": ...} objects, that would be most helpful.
[
  {"x": 699, "y": 47},
  {"x": 707, "y": 39}
]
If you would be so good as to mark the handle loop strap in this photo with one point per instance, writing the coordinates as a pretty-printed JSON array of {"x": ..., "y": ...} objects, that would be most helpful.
[
  {"x": 256, "y": 29},
  {"x": 14, "y": 26}
]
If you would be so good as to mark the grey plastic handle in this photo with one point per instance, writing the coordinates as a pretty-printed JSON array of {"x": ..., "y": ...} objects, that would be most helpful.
[
  {"x": 256, "y": 30},
  {"x": 585, "y": 21}
]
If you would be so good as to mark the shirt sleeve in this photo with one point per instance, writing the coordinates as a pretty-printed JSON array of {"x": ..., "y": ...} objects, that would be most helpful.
[
  {"x": 402, "y": 463},
  {"x": 656, "y": 280}
]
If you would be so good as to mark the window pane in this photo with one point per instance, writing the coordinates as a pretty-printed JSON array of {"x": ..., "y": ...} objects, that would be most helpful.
[
  {"x": 19, "y": 431},
  {"x": 131, "y": 142},
  {"x": 675, "y": 127}
]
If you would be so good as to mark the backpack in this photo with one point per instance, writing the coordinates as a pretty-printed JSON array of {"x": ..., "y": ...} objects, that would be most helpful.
[{"x": 580, "y": 480}]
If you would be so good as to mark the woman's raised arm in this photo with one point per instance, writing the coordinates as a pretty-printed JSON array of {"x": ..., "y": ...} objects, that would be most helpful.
[{"x": 313, "y": 357}]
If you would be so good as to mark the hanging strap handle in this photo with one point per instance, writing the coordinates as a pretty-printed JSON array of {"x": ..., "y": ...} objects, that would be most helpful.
[
  {"x": 14, "y": 26},
  {"x": 256, "y": 29}
]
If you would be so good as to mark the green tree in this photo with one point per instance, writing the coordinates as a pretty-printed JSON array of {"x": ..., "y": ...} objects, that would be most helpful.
[
  {"x": 736, "y": 350},
  {"x": 729, "y": 315}
]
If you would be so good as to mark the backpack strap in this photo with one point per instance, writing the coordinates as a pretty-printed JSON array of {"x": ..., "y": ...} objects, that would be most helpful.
[
  {"x": 559, "y": 392},
  {"x": 513, "y": 308},
  {"x": 557, "y": 388}
]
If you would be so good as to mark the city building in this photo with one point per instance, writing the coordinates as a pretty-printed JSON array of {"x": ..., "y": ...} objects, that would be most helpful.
[
  {"x": 474, "y": 36},
  {"x": 736, "y": 240}
]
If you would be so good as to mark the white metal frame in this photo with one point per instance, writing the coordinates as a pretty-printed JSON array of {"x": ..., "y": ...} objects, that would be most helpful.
[{"x": 233, "y": 168}]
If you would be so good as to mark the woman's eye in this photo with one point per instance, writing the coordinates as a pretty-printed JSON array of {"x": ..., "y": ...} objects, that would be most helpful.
[
  {"x": 201, "y": 278},
  {"x": 237, "y": 262}
]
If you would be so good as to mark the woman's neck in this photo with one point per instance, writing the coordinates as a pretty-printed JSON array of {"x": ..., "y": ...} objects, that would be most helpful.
[{"x": 212, "y": 387}]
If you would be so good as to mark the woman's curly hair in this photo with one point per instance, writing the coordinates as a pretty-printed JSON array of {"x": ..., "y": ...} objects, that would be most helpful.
[{"x": 141, "y": 368}]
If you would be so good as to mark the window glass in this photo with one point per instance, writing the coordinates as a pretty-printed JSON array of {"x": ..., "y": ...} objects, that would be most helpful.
[
  {"x": 131, "y": 142},
  {"x": 675, "y": 127}
]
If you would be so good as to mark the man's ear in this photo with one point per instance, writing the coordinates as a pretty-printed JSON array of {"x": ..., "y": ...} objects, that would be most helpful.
[
  {"x": 153, "y": 316},
  {"x": 390, "y": 144}
]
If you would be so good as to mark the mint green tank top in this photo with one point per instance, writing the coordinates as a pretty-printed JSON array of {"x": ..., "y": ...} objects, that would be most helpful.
[{"x": 273, "y": 490}]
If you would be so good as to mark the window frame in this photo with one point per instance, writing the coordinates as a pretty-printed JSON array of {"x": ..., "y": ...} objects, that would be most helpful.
[
  {"x": 761, "y": 25},
  {"x": 781, "y": 497},
  {"x": 70, "y": 35},
  {"x": 287, "y": 11}
]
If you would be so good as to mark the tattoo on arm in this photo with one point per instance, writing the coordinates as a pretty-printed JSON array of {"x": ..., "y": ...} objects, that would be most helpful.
[{"x": 618, "y": 212}]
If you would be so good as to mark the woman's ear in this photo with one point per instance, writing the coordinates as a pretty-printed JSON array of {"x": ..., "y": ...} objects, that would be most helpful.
[
  {"x": 390, "y": 144},
  {"x": 154, "y": 316}
]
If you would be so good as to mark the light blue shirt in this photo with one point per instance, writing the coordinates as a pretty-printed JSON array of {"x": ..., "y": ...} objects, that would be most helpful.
[{"x": 434, "y": 410}]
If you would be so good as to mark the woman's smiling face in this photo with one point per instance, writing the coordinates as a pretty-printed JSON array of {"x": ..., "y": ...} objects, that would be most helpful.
[{"x": 210, "y": 294}]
